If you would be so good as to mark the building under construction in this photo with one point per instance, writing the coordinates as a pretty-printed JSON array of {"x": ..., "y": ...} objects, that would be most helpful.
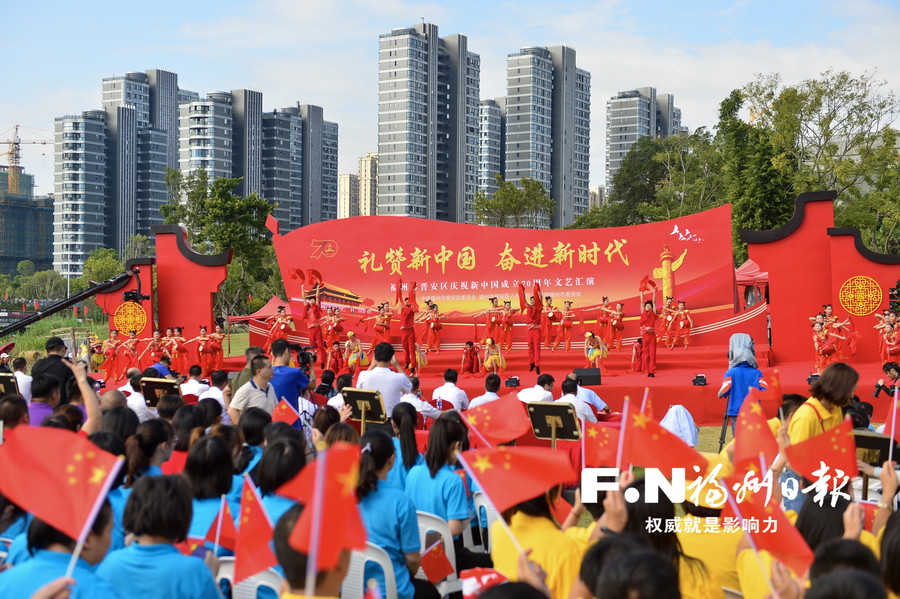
[{"x": 26, "y": 225}]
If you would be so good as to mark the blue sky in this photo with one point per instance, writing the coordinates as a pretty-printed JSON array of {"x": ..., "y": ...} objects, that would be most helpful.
[{"x": 325, "y": 52}]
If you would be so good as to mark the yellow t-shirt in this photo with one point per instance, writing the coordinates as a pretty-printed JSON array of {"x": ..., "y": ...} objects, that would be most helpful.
[
  {"x": 581, "y": 534},
  {"x": 812, "y": 419},
  {"x": 717, "y": 551},
  {"x": 554, "y": 551},
  {"x": 693, "y": 584},
  {"x": 753, "y": 580}
]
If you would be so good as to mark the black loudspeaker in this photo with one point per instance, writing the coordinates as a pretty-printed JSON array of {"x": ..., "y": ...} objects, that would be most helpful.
[{"x": 589, "y": 376}]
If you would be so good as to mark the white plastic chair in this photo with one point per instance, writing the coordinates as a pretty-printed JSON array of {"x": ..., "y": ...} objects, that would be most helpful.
[
  {"x": 354, "y": 585},
  {"x": 431, "y": 523},
  {"x": 732, "y": 594},
  {"x": 247, "y": 589},
  {"x": 482, "y": 504}
]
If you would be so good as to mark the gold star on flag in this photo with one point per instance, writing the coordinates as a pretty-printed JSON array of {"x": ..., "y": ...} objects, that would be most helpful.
[
  {"x": 97, "y": 476},
  {"x": 640, "y": 419},
  {"x": 592, "y": 432},
  {"x": 756, "y": 409},
  {"x": 349, "y": 479},
  {"x": 473, "y": 418},
  {"x": 482, "y": 462}
]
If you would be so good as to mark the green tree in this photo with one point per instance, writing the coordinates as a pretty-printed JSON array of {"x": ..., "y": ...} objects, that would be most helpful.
[
  {"x": 137, "y": 246},
  {"x": 188, "y": 197},
  {"x": 102, "y": 264},
  {"x": 25, "y": 268},
  {"x": 761, "y": 195},
  {"x": 46, "y": 284},
  {"x": 528, "y": 206}
]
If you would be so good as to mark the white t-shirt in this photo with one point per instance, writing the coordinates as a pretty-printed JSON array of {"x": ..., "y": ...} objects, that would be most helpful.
[
  {"x": 536, "y": 393},
  {"x": 392, "y": 385},
  {"x": 582, "y": 410},
  {"x": 216, "y": 394},
  {"x": 24, "y": 383},
  {"x": 193, "y": 387},
  {"x": 589, "y": 397},
  {"x": 138, "y": 405},
  {"x": 488, "y": 397},
  {"x": 422, "y": 407},
  {"x": 450, "y": 392}
]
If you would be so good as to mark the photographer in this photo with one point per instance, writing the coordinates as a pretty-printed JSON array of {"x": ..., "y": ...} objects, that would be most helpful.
[{"x": 892, "y": 370}]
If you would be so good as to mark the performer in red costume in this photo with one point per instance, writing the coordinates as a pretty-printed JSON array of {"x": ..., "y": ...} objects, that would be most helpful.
[
  {"x": 549, "y": 317},
  {"x": 156, "y": 349},
  {"x": 824, "y": 343},
  {"x": 506, "y": 329},
  {"x": 382, "y": 328},
  {"x": 279, "y": 327},
  {"x": 335, "y": 359},
  {"x": 111, "y": 351},
  {"x": 204, "y": 352},
  {"x": 312, "y": 314},
  {"x": 666, "y": 318},
  {"x": 637, "y": 356},
  {"x": 407, "y": 326},
  {"x": 649, "y": 319},
  {"x": 566, "y": 322},
  {"x": 434, "y": 327},
  {"x": 532, "y": 310},
  {"x": 215, "y": 347},
  {"x": 616, "y": 326},
  {"x": 680, "y": 327},
  {"x": 493, "y": 318},
  {"x": 179, "y": 351},
  {"x": 891, "y": 341},
  {"x": 128, "y": 355},
  {"x": 470, "y": 363}
]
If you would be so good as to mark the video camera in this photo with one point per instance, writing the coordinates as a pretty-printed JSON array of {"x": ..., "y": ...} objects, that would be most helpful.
[{"x": 305, "y": 356}]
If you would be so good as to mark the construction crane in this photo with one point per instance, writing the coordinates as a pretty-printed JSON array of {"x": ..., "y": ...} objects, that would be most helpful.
[{"x": 15, "y": 158}]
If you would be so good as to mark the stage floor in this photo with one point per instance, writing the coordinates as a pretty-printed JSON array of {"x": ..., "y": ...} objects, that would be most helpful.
[{"x": 672, "y": 385}]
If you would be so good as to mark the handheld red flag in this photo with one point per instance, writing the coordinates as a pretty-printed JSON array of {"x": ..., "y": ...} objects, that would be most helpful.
[
  {"x": 534, "y": 470},
  {"x": 774, "y": 533},
  {"x": 337, "y": 505},
  {"x": 753, "y": 436},
  {"x": 222, "y": 531},
  {"x": 477, "y": 580},
  {"x": 647, "y": 443},
  {"x": 435, "y": 563},
  {"x": 252, "y": 553},
  {"x": 42, "y": 465},
  {"x": 600, "y": 444},
  {"x": 561, "y": 509},
  {"x": 500, "y": 421},
  {"x": 192, "y": 546},
  {"x": 832, "y": 450},
  {"x": 285, "y": 412}
]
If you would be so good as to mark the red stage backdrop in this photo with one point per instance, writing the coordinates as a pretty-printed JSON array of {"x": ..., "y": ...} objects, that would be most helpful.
[{"x": 459, "y": 267}]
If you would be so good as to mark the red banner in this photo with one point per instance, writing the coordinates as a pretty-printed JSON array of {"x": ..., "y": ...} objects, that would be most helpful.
[{"x": 461, "y": 266}]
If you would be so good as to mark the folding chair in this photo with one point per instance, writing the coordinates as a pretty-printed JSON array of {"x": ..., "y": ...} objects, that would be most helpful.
[
  {"x": 247, "y": 589},
  {"x": 354, "y": 585},
  {"x": 431, "y": 523},
  {"x": 482, "y": 504}
]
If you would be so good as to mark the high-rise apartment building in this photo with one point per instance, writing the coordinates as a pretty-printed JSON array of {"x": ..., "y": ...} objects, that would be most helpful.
[
  {"x": 491, "y": 149},
  {"x": 152, "y": 161},
  {"x": 548, "y": 103},
  {"x": 80, "y": 189},
  {"x": 368, "y": 184},
  {"x": 348, "y": 195},
  {"x": 246, "y": 106},
  {"x": 205, "y": 136},
  {"x": 282, "y": 165},
  {"x": 633, "y": 114},
  {"x": 319, "y": 166},
  {"x": 428, "y": 111},
  {"x": 164, "y": 110},
  {"x": 26, "y": 225}
]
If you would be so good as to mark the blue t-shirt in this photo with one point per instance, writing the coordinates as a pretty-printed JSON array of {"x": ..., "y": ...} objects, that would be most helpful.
[
  {"x": 118, "y": 497},
  {"x": 397, "y": 475},
  {"x": 27, "y": 577},
  {"x": 205, "y": 513},
  {"x": 743, "y": 376},
  {"x": 444, "y": 495},
  {"x": 18, "y": 550},
  {"x": 390, "y": 519},
  {"x": 152, "y": 571},
  {"x": 276, "y": 506},
  {"x": 162, "y": 369},
  {"x": 288, "y": 383},
  {"x": 17, "y": 527}
]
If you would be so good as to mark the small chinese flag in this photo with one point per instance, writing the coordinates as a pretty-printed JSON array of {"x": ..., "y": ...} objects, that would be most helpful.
[
  {"x": 249, "y": 298},
  {"x": 341, "y": 525},
  {"x": 75, "y": 310},
  {"x": 832, "y": 450},
  {"x": 500, "y": 421},
  {"x": 435, "y": 563},
  {"x": 775, "y": 534},
  {"x": 37, "y": 306},
  {"x": 647, "y": 443},
  {"x": 647, "y": 407},
  {"x": 85, "y": 310},
  {"x": 6, "y": 296},
  {"x": 252, "y": 553},
  {"x": 534, "y": 470},
  {"x": 41, "y": 466},
  {"x": 477, "y": 580},
  {"x": 753, "y": 436},
  {"x": 192, "y": 546},
  {"x": 600, "y": 444},
  {"x": 561, "y": 509},
  {"x": 284, "y": 412},
  {"x": 227, "y": 535},
  {"x": 771, "y": 393}
]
